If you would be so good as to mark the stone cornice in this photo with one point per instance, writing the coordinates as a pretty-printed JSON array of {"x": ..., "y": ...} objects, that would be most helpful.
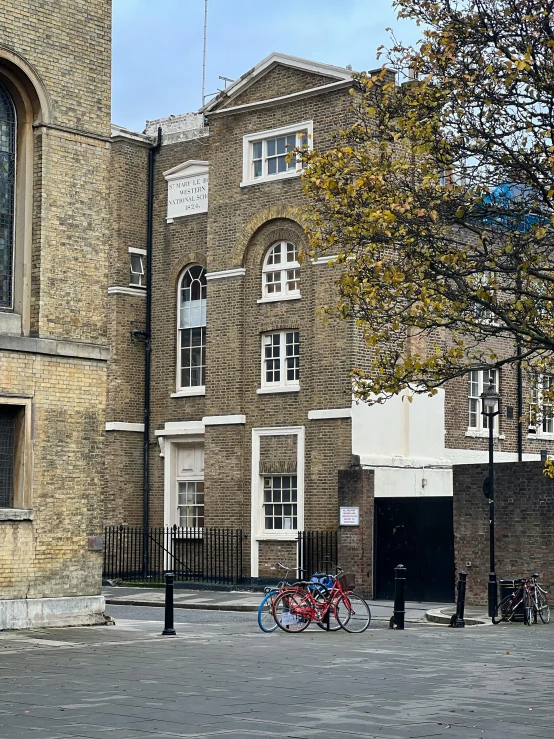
[{"x": 55, "y": 347}]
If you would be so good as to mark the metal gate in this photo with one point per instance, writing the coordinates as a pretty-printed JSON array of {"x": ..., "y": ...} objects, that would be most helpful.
[
  {"x": 317, "y": 552},
  {"x": 418, "y": 533}
]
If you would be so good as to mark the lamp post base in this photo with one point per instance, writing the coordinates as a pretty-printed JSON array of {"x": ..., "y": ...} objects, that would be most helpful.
[{"x": 493, "y": 593}]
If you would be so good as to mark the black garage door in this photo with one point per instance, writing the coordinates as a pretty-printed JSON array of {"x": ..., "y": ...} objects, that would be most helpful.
[{"x": 418, "y": 533}]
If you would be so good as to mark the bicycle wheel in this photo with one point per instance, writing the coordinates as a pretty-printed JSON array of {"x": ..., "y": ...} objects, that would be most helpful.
[
  {"x": 352, "y": 613},
  {"x": 290, "y": 611},
  {"x": 527, "y": 608},
  {"x": 503, "y": 610},
  {"x": 266, "y": 622},
  {"x": 543, "y": 607}
]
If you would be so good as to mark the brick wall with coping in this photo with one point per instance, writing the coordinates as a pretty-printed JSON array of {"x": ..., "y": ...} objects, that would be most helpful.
[{"x": 524, "y": 524}]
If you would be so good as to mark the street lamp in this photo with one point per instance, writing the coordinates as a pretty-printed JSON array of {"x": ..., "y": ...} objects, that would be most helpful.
[{"x": 491, "y": 408}]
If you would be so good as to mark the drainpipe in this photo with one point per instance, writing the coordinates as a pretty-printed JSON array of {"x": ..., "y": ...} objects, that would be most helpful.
[
  {"x": 519, "y": 405},
  {"x": 147, "y": 356}
]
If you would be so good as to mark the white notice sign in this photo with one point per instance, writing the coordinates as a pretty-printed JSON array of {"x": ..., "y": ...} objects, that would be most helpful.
[
  {"x": 187, "y": 195},
  {"x": 350, "y": 516}
]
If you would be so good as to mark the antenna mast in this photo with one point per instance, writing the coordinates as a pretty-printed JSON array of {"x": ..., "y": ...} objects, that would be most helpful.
[{"x": 204, "y": 52}]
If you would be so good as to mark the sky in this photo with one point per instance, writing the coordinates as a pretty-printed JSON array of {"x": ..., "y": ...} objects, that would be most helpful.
[{"x": 157, "y": 45}]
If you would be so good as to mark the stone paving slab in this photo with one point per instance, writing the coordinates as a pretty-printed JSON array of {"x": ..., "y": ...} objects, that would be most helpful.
[
  {"x": 238, "y": 601},
  {"x": 230, "y": 680}
]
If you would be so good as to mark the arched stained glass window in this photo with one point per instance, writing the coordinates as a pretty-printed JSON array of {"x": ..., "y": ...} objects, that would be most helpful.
[
  {"x": 192, "y": 328},
  {"x": 7, "y": 195}
]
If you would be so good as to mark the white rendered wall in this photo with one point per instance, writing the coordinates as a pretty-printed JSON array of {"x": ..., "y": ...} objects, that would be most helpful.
[{"x": 404, "y": 443}]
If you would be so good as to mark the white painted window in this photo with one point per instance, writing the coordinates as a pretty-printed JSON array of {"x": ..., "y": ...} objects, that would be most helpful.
[
  {"x": 281, "y": 359},
  {"x": 281, "y": 272},
  {"x": 479, "y": 380},
  {"x": 541, "y": 407},
  {"x": 191, "y": 349},
  {"x": 280, "y": 502},
  {"x": 190, "y": 496},
  {"x": 484, "y": 281},
  {"x": 266, "y": 153},
  {"x": 137, "y": 258},
  {"x": 189, "y": 486}
]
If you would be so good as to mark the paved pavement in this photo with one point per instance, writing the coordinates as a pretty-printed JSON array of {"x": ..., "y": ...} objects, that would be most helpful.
[
  {"x": 237, "y": 601},
  {"x": 227, "y": 679}
]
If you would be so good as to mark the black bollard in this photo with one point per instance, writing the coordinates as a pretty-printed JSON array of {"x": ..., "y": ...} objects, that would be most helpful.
[
  {"x": 459, "y": 622},
  {"x": 399, "y": 602},
  {"x": 168, "y": 626}
]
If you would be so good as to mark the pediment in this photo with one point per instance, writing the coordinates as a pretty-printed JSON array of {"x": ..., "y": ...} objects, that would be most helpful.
[
  {"x": 309, "y": 74},
  {"x": 187, "y": 169}
]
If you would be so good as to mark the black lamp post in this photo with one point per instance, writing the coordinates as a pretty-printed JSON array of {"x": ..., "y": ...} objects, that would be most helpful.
[{"x": 491, "y": 408}]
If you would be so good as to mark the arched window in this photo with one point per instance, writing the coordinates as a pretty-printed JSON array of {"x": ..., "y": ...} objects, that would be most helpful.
[
  {"x": 281, "y": 272},
  {"x": 7, "y": 196},
  {"x": 191, "y": 349}
]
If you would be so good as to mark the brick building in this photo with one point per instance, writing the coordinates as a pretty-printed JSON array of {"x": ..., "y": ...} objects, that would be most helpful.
[
  {"x": 54, "y": 165},
  {"x": 250, "y": 391}
]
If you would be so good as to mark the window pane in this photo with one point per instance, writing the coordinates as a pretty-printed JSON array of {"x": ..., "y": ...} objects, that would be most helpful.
[
  {"x": 7, "y": 445},
  {"x": 7, "y": 194},
  {"x": 257, "y": 150},
  {"x": 282, "y": 164},
  {"x": 271, "y": 147},
  {"x": 277, "y": 515},
  {"x": 258, "y": 169},
  {"x": 282, "y": 145},
  {"x": 193, "y": 357},
  {"x": 272, "y": 166},
  {"x": 273, "y": 283},
  {"x": 292, "y": 252},
  {"x": 473, "y": 411}
]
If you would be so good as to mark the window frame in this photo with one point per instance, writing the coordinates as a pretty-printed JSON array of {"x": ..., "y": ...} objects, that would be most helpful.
[
  {"x": 281, "y": 269},
  {"x": 283, "y": 385},
  {"x": 141, "y": 253},
  {"x": 257, "y": 521},
  {"x": 11, "y": 306},
  {"x": 303, "y": 128},
  {"x": 536, "y": 430},
  {"x": 180, "y": 389},
  {"x": 293, "y": 503},
  {"x": 23, "y": 461},
  {"x": 481, "y": 428}
]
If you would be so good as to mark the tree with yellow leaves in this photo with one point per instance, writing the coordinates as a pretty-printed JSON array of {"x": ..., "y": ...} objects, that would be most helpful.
[{"x": 439, "y": 200}]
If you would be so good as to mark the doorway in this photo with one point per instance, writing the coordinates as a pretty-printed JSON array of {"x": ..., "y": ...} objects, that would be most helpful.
[{"x": 418, "y": 533}]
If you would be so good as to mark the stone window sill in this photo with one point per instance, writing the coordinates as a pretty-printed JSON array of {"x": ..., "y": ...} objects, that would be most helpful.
[
  {"x": 279, "y": 298},
  {"x": 541, "y": 437},
  {"x": 16, "y": 514},
  {"x": 284, "y": 389},
  {"x": 474, "y": 434},
  {"x": 189, "y": 392},
  {"x": 289, "y": 535}
]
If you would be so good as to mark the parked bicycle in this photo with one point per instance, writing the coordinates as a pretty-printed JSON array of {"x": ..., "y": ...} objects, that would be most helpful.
[
  {"x": 266, "y": 619},
  {"x": 295, "y": 609},
  {"x": 528, "y": 598}
]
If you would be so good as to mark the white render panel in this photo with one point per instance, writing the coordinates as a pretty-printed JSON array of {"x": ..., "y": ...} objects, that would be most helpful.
[
  {"x": 422, "y": 482},
  {"x": 399, "y": 428}
]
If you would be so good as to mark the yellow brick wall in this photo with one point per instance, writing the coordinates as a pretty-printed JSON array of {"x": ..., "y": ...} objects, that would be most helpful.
[
  {"x": 63, "y": 47},
  {"x": 49, "y": 556}
]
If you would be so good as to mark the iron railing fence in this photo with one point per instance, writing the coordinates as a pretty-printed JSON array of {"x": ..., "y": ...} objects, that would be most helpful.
[
  {"x": 318, "y": 551},
  {"x": 135, "y": 554}
]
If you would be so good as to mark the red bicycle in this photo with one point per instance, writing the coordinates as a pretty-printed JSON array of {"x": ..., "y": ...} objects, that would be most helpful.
[{"x": 294, "y": 610}]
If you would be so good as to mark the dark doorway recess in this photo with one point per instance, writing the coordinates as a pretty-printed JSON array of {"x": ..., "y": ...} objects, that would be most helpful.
[{"x": 418, "y": 533}]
